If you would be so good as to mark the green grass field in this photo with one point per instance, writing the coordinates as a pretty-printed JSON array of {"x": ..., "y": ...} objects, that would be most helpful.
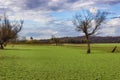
[{"x": 69, "y": 62}]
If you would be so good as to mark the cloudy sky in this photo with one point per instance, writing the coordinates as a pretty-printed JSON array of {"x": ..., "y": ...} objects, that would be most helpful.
[{"x": 43, "y": 18}]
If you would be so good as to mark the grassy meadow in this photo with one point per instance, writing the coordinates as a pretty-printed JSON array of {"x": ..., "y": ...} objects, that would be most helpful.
[{"x": 68, "y": 62}]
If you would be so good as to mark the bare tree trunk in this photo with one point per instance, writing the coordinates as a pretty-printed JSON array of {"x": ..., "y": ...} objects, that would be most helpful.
[
  {"x": 89, "y": 50},
  {"x": 88, "y": 45},
  {"x": 1, "y": 46}
]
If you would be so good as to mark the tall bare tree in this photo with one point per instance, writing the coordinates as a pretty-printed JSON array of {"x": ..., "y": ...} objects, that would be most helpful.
[
  {"x": 89, "y": 23},
  {"x": 8, "y": 30}
]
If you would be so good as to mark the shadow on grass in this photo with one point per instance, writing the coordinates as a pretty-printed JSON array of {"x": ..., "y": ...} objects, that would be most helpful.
[
  {"x": 97, "y": 49},
  {"x": 18, "y": 49},
  {"x": 2, "y": 57}
]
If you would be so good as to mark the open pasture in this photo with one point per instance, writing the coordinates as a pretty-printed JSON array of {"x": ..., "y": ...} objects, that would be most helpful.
[{"x": 68, "y": 62}]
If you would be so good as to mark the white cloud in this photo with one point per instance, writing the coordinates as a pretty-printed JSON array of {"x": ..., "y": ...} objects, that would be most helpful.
[
  {"x": 111, "y": 28},
  {"x": 114, "y": 22},
  {"x": 108, "y": 31},
  {"x": 93, "y": 10},
  {"x": 79, "y": 5},
  {"x": 49, "y": 31}
]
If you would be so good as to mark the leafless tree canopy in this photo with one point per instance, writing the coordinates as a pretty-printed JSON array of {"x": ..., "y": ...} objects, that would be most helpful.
[
  {"x": 89, "y": 23},
  {"x": 8, "y": 29},
  {"x": 55, "y": 40}
]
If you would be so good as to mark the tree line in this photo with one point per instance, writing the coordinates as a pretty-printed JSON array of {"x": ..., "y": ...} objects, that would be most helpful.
[{"x": 71, "y": 40}]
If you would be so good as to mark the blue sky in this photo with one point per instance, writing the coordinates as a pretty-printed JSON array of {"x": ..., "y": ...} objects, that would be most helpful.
[{"x": 43, "y": 18}]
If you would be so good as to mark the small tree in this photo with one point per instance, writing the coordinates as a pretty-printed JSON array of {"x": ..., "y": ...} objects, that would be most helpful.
[
  {"x": 89, "y": 23},
  {"x": 8, "y": 30},
  {"x": 55, "y": 40},
  {"x": 31, "y": 38}
]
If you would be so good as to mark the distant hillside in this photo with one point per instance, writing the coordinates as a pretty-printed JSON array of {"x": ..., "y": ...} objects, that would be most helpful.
[
  {"x": 105, "y": 39},
  {"x": 93, "y": 39}
]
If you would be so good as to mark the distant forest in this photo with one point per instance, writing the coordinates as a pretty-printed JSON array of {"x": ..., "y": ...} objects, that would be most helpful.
[
  {"x": 72, "y": 40},
  {"x": 93, "y": 39}
]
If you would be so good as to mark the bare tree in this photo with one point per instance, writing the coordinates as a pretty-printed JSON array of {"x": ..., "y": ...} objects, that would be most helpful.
[
  {"x": 31, "y": 38},
  {"x": 55, "y": 40},
  {"x": 8, "y": 30},
  {"x": 89, "y": 23}
]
